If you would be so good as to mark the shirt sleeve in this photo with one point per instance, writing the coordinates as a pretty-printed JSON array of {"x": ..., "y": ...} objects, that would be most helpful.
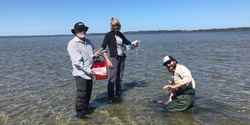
[
  {"x": 105, "y": 42},
  {"x": 125, "y": 40}
]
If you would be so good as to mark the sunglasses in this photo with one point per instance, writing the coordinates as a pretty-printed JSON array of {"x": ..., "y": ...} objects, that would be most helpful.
[
  {"x": 118, "y": 25},
  {"x": 166, "y": 63}
]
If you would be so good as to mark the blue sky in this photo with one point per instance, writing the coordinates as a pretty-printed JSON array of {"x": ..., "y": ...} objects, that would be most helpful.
[{"x": 53, "y": 17}]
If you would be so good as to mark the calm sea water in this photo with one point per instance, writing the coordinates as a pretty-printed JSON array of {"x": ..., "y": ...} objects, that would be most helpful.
[{"x": 36, "y": 85}]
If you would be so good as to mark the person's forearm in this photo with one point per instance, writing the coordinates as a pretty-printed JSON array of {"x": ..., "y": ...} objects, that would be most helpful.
[
  {"x": 105, "y": 55},
  {"x": 176, "y": 86},
  {"x": 170, "y": 97},
  {"x": 100, "y": 50}
]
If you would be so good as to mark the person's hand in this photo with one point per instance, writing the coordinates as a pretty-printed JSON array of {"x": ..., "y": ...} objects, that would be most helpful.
[
  {"x": 135, "y": 43},
  {"x": 169, "y": 100},
  {"x": 169, "y": 87},
  {"x": 92, "y": 72},
  {"x": 166, "y": 86},
  {"x": 110, "y": 65},
  {"x": 96, "y": 54}
]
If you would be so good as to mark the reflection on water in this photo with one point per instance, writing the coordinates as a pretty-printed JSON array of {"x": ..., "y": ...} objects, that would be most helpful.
[{"x": 37, "y": 86}]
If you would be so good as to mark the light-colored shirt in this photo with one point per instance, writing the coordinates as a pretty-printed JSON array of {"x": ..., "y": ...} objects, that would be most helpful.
[
  {"x": 120, "y": 50},
  {"x": 81, "y": 55},
  {"x": 183, "y": 76}
]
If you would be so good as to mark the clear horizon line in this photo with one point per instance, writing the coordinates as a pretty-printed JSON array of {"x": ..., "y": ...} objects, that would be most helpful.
[{"x": 248, "y": 28}]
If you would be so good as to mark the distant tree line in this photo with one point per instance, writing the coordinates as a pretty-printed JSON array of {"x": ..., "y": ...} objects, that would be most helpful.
[
  {"x": 149, "y": 32},
  {"x": 199, "y": 30}
]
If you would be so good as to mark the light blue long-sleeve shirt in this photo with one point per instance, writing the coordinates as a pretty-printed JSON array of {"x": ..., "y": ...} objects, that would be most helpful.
[{"x": 81, "y": 55}]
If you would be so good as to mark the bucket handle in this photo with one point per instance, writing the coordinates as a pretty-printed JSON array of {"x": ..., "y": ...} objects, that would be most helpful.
[{"x": 100, "y": 60}]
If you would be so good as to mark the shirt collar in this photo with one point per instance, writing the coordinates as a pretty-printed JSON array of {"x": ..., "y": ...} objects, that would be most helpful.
[
  {"x": 175, "y": 67},
  {"x": 79, "y": 40}
]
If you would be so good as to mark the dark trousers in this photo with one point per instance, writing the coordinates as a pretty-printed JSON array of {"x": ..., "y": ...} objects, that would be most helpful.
[
  {"x": 182, "y": 102},
  {"x": 83, "y": 93},
  {"x": 116, "y": 74}
]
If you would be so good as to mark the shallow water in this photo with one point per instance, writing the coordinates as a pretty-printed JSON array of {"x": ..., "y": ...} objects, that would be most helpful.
[{"x": 36, "y": 86}]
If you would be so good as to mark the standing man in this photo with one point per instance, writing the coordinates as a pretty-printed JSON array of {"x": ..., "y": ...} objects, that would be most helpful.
[
  {"x": 81, "y": 52},
  {"x": 182, "y": 86}
]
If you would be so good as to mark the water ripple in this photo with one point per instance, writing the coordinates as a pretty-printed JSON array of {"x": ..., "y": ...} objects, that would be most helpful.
[{"x": 37, "y": 86}]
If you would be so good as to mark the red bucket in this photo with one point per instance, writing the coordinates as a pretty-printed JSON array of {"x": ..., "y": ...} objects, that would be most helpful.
[{"x": 103, "y": 66}]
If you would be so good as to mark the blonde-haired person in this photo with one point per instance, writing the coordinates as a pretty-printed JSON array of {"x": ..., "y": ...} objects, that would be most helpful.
[
  {"x": 114, "y": 21},
  {"x": 115, "y": 41}
]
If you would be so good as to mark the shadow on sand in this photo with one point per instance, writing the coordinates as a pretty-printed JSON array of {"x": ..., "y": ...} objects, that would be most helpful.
[{"x": 102, "y": 99}]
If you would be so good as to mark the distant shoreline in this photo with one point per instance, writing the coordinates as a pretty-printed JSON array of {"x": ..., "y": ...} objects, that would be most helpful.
[
  {"x": 146, "y": 32},
  {"x": 199, "y": 30}
]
